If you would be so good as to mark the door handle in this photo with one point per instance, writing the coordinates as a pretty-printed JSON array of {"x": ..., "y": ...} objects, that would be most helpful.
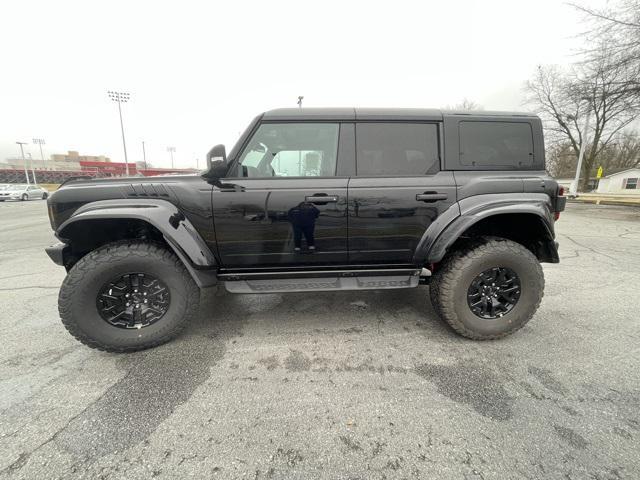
[
  {"x": 321, "y": 199},
  {"x": 429, "y": 197}
]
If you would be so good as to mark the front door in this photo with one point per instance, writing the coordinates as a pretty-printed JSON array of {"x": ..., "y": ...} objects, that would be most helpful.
[
  {"x": 398, "y": 190},
  {"x": 282, "y": 204}
]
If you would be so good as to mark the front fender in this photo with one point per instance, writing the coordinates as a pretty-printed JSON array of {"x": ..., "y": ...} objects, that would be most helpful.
[
  {"x": 476, "y": 208},
  {"x": 177, "y": 230}
]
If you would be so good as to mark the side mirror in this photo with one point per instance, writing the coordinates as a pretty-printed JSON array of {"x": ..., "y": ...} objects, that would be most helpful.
[{"x": 217, "y": 162}]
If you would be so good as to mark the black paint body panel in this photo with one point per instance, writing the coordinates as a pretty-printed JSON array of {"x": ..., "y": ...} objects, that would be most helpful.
[{"x": 246, "y": 224}]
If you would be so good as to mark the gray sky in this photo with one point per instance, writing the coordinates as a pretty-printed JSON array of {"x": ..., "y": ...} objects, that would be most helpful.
[{"x": 198, "y": 72}]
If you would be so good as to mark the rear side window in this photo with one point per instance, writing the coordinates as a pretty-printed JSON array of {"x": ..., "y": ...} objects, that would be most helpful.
[
  {"x": 396, "y": 148},
  {"x": 496, "y": 144}
]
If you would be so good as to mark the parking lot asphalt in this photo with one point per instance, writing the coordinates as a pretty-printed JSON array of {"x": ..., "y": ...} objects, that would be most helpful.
[{"x": 331, "y": 385}]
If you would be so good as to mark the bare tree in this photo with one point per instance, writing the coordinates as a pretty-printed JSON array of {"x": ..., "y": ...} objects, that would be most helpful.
[
  {"x": 621, "y": 153},
  {"x": 563, "y": 98},
  {"x": 465, "y": 105},
  {"x": 617, "y": 25}
]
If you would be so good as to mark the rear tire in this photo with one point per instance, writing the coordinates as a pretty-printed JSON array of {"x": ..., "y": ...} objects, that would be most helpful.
[
  {"x": 45, "y": 195},
  {"x": 82, "y": 309},
  {"x": 452, "y": 293}
]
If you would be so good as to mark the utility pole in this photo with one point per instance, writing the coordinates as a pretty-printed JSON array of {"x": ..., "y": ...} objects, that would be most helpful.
[
  {"x": 40, "y": 142},
  {"x": 121, "y": 97},
  {"x": 573, "y": 188},
  {"x": 144, "y": 156},
  {"x": 171, "y": 150},
  {"x": 24, "y": 161}
]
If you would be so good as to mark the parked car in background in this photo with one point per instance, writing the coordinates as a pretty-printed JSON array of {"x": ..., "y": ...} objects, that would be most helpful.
[{"x": 22, "y": 192}]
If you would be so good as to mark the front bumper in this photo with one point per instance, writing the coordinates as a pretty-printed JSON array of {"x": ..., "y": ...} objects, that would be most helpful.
[{"x": 56, "y": 253}]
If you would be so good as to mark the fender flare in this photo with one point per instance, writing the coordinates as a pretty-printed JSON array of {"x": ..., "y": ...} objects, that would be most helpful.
[
  {"x": 477, "y": 208},
  {"x": 175, "y": 227}
]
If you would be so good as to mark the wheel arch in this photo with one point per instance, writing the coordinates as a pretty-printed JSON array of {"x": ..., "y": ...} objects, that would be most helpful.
[
  {"x": 527, "y": 220},
  {"x": 98, "y": 223}
]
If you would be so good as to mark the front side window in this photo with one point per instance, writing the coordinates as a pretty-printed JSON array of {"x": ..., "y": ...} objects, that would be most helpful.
[
  {"x": 396, "y": 148},
  {"x": 496, "y": 144},
  {"x": 291, "y": 150}
]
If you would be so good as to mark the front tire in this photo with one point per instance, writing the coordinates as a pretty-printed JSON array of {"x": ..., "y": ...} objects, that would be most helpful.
[
  {"x": 24, "y": 197},
  {"x": 488, "y": 290},
  {"x": 127, "y": 296}
]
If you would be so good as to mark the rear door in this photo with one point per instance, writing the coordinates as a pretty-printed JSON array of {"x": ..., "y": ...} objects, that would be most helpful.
[
  {"x": 284, "y": 204},
  {"x": 398, "y": 190}
]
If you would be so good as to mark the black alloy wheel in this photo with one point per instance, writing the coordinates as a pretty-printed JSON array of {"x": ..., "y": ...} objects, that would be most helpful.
[
  {"x": 133, "y": 300},
  {"x": 494, "y": 292}
]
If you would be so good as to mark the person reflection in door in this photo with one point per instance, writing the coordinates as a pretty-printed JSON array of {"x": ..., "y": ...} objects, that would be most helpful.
[{"x": 303, "y": 219}]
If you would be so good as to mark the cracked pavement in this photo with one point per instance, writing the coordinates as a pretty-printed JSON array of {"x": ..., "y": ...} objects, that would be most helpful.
[{"x": 331, "y": 385}]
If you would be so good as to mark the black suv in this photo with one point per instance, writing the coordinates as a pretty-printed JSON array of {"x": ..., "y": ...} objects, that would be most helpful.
[{"x": 318, "y": 200}]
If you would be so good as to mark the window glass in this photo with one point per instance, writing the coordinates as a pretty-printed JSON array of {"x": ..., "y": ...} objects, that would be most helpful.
[
  {"x": 631, "y": 183},
  {"x": 291, "y": 150},
  {"x": 504, "y": 144},
  {"x": 396, "y": 148}
]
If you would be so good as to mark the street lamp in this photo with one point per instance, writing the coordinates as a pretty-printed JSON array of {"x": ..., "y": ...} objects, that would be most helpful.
[
  {"x": 33, "y": 170},
  {"x": 573, "y": 188},
  {"x": 171, "y": 150},
  {"x": 40, "y": 142},
  {"x": 144, "y": 155},
  {"x": 24, "y": 162},
  {"x": 121, "y": 97}
]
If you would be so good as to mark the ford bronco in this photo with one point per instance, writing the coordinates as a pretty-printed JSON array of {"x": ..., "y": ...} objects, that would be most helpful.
[{"x": 318, "y": 200}]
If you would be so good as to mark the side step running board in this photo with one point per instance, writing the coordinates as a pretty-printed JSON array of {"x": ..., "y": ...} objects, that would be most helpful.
[{"x": 335, "y": 282}]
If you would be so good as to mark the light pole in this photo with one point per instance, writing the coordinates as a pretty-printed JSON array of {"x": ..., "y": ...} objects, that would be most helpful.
[
  {"x": 121, "y": 97},
  {"x": 144, "y": 156},
  {"x": 300, "y": 98},
  {"x": 573, "y": 188},
  {"x": 33, "y": 171},
  {"x": 40, "y": 142},
  {"x": 26, "y": 174},
  {"x": 171, "y": 150}
]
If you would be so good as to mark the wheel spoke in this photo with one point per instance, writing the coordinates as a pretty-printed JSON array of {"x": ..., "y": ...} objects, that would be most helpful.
[{"x": 134, "y": 300}]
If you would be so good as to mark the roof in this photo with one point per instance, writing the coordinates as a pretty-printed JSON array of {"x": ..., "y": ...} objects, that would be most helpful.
[
  {"x": 376, "y": 114},
  {"x": 615, "y": 174}
]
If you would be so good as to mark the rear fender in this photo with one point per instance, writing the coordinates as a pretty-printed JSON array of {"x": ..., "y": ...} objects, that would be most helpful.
[{"x": 476, "y": 208}]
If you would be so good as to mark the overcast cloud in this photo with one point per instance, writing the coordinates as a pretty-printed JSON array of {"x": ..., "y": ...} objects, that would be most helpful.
[{"x": 198, "y": 72}]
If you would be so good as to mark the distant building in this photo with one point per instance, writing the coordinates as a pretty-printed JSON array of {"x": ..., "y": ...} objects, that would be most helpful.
[
  {"x": 74, "y": 156},
  {"x": 60, "y": 167},
  {"x": 624, "y": 182}
]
